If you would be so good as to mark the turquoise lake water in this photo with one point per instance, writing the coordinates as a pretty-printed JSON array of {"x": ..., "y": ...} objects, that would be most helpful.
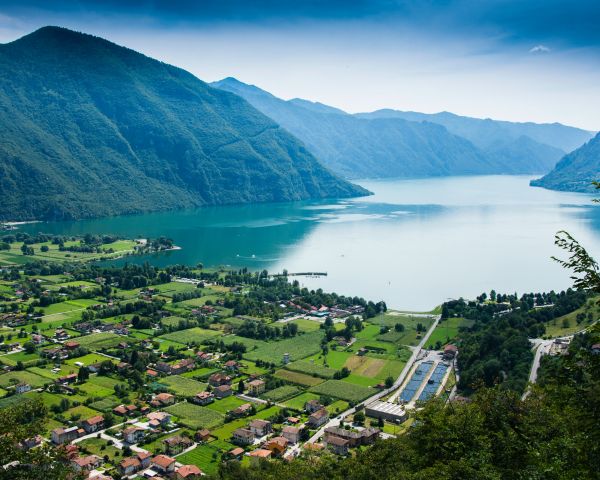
[{"x": 414, "y": 244}]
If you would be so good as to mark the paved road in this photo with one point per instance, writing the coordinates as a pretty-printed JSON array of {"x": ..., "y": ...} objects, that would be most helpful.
[{"x": 416, "y": 350}]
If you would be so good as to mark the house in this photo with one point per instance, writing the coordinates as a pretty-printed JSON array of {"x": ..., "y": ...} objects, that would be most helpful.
[
  {"x": 277, "y": 445},
  {"x": 596, "y": 349},
  {"x": 204, "y": 398},
  {"x": 242, "y": 410},
  {"x": 450, "y": 352},
  {"x": 86, "y": 464},
  {"x": 93, "y": 424},
  {"x": 202, "y": 435},
  {"x": 31, "y": 442},
  {"x": 158, "y": 419},
  {"x": 259, "y": 454},
  {"x": 236, "y": 453},
  {"x": 337, "y": 445},
  {"x": 177, "y": 444},
  {"x": 188, "y": 472},
  {"x": 64, "y": 435},
  {"x": 256, "y": 387},
  {"x": 183, "y": 366},
  {"x": 312, "y": 406},
  {"x": 164, "y": 399},
  {"x": 223, "y": 391},
  {"x": 243, "y": 436},
  {"x": 71, "y": 345},
  {"x": 71, "y": 378},
  {"x": 121, "y": 410},
  {"x": 232, "y": 366},
  {"x": 318, "y": 418},
  {"x": 163, "y": 464},
  {"x": 133, "y": 434},
  {"x": 22, "y": 388},
  {"x": 129, "y": 466},
  {"x": 218, "y": 379},
  {"x": 152, "y": 373},
  {"x": 366, "y": 436},
  {"x": 260, "y": 427},
  {"x": 291, "y": 433},
  {"x": 144, "y": 458}
]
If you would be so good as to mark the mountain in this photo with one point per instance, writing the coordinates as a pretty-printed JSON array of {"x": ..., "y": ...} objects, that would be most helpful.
[
  {"x": 576, "y": 171},
  {"x": 360, "y": 148},
  {"x": 389, "y": 143},
  {"x": 92, "y": 129},
  {"x": 527, "y": 147}
]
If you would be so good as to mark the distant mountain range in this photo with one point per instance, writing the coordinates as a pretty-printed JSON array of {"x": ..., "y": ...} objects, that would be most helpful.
[
  {"x": 389, "y": 143},
  {"x": 92, "y": 129},
  {"x": 576, "y": 171}
]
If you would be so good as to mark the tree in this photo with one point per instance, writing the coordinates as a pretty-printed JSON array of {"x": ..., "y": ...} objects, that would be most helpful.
[
  {"x": 241, "y": 386},
  {"x": 359, "y": 418},
  {"x": 109, "y": 419},
  {"x": 399, "y": 327},
  {"x": 83, "y": 374},
  {"x": 29, "y": 347},
  {"x": 389, "y": 382}
]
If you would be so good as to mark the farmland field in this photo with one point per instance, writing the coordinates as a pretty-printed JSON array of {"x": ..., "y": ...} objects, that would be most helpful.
[
  {"x": 298, "y": 347},
  {"x": 343, "y": 390},
  {"x": 206, "y": 457},
  {"x": 299, "y": 378},
  {"x": 226, "y": 404},
  {"x": 196, "y": 334},
  {"x": 101, "y": 340},
  {"x": 447, "y": 330},
  {"x": 310, "y": 368},
  {"x": 281, "y": 393},
  {"x": 11, "y": 378},
  {"x": 183, "y": 386},
  {"x": 195, "y": 416}
]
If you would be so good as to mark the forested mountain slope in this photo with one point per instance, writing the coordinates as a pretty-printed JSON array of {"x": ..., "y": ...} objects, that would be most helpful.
[{"x": 91, "y": 129}]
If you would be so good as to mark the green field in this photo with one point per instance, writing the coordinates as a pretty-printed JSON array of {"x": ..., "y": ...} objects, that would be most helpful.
[
  {"x": 556, "y": 327},
  {"x": 343, "y": 390},
  {"x": 196, "y": 335},
  {"x": 101, "y": 340},
  {"x": 90, "y": 358},
  {"x": 183, "y": 386},
  {"x": 298, "y": 378},
  {"x": 14, "y": 377},
  {"x": 206, "y": 457},
  {"x": 226, "y": 404},
  {"x": 447, "y": 331},
  {"x": 195, "y": 416},
  {"x": 12, "y": 359},
  {"x": 409, "y": 336},
  {"x": 298, "y": 347},
  {"x": 311, "y": 368},
  {"x": 281, "y": 393}
]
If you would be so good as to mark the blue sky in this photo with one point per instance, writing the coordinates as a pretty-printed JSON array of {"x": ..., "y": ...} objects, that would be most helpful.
[{"x": 515, "y": 60}]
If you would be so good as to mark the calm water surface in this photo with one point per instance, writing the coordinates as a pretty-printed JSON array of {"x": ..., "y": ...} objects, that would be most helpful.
[{"x": 414, "y": 244}]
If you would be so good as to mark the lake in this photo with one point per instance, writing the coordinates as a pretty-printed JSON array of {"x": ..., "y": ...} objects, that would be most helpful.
[{"x": 414, "y": 244}]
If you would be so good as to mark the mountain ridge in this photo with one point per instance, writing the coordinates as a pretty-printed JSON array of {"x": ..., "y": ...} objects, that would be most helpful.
[
  {"x": 388, "y": 143},
  {"x": 92, "y": 128}
]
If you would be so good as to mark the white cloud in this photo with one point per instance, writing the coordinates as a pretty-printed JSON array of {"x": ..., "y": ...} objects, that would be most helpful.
[{"x": 539, "y": 49}]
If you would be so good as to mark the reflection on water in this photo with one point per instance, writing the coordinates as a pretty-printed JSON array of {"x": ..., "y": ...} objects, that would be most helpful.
[{"x": 414, "y": 243}]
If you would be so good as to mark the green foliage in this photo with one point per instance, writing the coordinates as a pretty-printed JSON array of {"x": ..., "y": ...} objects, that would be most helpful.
[{"x": 94, "y": 129}]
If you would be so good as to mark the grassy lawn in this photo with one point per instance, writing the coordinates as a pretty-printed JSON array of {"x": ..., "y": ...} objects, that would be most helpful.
[
  {"x": 196, "y": 334},
  {"x": 447, "y": 330},
  {"x": 311, "y": 367},
  {"x": 207, "y": 457},
  {"x": 306, "y": 325},
  {"x": 298, "y": 378},
  {"x": 409, "y": 336},
  {"x": 567, "y": 324},
  {"x": 14, "y": 377},
  {"x": 195, "y": 416},
  {"x": 101, "y": 340},
  {"x": 89, "y": 359},
  {"x": 97, "y": 446},
  {"x": 12, "y": 359},
  {"x": 343, "y": 390},
  {"x": 183, "y": 386},
  {"x": 281, "y": 393},
  {"x": 226, "y": 404},
  {"x": 297, "y": 403},
  {"x": 82, "y": 411},
  {"x": 298, "y": 347}
]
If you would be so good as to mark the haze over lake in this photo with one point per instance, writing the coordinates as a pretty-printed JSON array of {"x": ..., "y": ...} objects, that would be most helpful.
[{"x": 414, "y": 243}]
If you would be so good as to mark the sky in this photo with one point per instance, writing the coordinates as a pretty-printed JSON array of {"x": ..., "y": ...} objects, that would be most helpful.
[{"x": 504, "y": 59}]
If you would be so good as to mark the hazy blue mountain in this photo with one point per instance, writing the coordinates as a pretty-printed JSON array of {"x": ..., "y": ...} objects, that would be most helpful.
[
  {"x": 356, "y": 147},
  {"x": 383, "y": 144},
  {"x": 540, "y": 145},
  {"x": 576, "y": 171},
  {"x": 90, "y": 128}
]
